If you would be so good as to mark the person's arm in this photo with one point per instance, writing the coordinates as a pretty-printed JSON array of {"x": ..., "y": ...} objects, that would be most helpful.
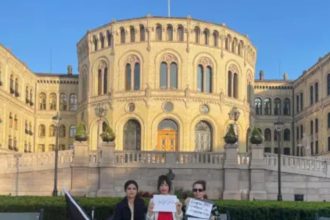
[
  {"x": 178, "y": 213},
  {"x": 150, "y": 213}
]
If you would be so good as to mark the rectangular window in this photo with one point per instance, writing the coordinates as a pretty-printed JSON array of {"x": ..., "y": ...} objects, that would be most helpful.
[
  {"x": 297, "y": 133},
  {"x": 311, "y": 95},
  {"x": 312, "y": 127},
  {"x": 312, "y": 148},
  {"x": 297, "y": 102},
  {"x": 301, "y": 101},
  {"x": 316, "y": 147},
  {"x": 301, "y": 131},
  {"x": 316, "y": 92},
  {"x": 328, "y": 143},
  {"x": 316, "y": 126},
  {"x": 328, "y": 120}
]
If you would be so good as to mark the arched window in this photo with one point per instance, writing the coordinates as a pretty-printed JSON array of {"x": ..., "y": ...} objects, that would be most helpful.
[
  {"x": 63, "y": 102},
  {"x": 122, "y": 35},
  {"x": 27, "y": 95},
  {"x": 235, "y": 93},
  {"x": 277, "y": 106},
  {"x": 132, "y": 33},
  {"x": 234, "y": 46},
  {"x": 52, "y": 101},
  {"x": 197, "y": 34},
  {"x": 276, "y": 134},
  {"x": 216, "y": 38},
  {"x": 227, "y": 42},
  {"x": 169, "y": 72},
  {"x": 16, "y": 88},
  {"x": 268, "y": 135},
  {"x": 286, "y": 134},
  {"x": 102, "y": 78},
  {"x": 203, "y": 137},
  {"x": 268, "y": 106},
  {"x": 311, "y": 95},
  {"x": 31, "y": 97},
  {"x": 328, "y": 84},
  {"x": 42, "y": 101},
  {"x": 204, "y": 75},
  {"x": 240, "y": 48},
  {"x": 132, "y": 135},
  {"x": 11, "y": 84},
  {"x": 230, "y": 76},
  {"x": 169, "y": 32},
  {"x": 180, "y": 33},
  {"x": 10, "y": 120},
  {"x": 286, "y": 108},
  {"x": 206, "y": 34},
  {"x": 142, "y": 33},
  {"x": 42, "y": 130},
  {"x": 73, "y": 102},
  {"x": 258, "y": 106},
  {"x": 15, "y": 122},
  {"x": 102, "y": 40},
  {"x": 159, "y": 32},
  {"x": 109, "y": 38},
  {"x": 95, "y": 43},
  {"x": 52, "y": 130},
  {"x": 62, "y": 131},
  {"x": 132, "y": 73},
  {"x": 167, "y": 139}
]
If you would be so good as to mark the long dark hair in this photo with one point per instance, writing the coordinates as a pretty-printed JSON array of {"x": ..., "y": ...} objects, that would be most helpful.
[{"x": 164, "y": 179}]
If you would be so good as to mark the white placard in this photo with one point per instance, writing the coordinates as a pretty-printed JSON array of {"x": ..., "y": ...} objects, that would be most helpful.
[
  {"x": 165, "y": 203},
  {"x": 199, "y": 209}
]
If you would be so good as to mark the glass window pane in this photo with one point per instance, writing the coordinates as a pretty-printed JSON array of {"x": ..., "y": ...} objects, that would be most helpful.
[
  {"x": 174, "y": 76},
  {"x": 137, "y": 76},
  {"x": 208, "y": 80},
  {"x": 163, "y": 76},
  {"x": 128, "y": 77},
  {"x": 199, "y": 78}
]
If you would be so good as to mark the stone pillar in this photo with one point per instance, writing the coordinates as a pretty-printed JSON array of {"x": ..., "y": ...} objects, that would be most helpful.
[
  {"x": 80, "y": 169},
  {"x": 257, "y": 174},
  {"x": 231, "y": 173},
  {"x": 106, "y": 165}
]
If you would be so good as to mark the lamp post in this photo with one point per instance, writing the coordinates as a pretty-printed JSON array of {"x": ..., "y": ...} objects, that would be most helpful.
[
  {"x": 278, "y": 127},
  {"x": 100, "y": 111},
  {"x": 57, "y": 120}
]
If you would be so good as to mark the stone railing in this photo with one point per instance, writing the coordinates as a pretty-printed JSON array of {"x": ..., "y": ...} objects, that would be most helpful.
[
  {"x": 152, "y": 158},
  {"x": 299, "y": 165},
  {"x": 34, "y": 161}
]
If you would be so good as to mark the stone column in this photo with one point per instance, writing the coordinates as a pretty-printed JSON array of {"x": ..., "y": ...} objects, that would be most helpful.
[
  {"x": 231, "y": 173},
  {"x": 257, "y": 175},
  {"x": 106, "y": 166},
  {"x": 79, "y": 166}
]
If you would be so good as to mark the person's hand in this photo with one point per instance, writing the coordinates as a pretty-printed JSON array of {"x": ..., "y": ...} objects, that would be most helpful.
[
  {"x": 178, "y": 208},
  {"x": 151, "y": 208},
  {"x": 186, "y": 202}
]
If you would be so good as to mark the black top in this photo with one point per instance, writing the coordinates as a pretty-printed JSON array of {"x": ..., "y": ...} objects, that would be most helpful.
[{"x": 123, "y": 212}]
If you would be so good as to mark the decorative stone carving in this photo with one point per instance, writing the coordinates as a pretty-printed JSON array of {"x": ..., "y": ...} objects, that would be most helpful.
[
  {"x": 233, "y": 68},
  {"x": 205, "y": 61},
  {"x": 168, "y": 107},
  {"x": 130, "y": 107},
  {"x": 132, "y": 59},
  {"x": 169, "y": 58},
  {"x": 204, "y": 109}
]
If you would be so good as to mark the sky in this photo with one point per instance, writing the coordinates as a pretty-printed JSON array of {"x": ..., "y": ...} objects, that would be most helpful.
[{"x": 290, "y": 35}]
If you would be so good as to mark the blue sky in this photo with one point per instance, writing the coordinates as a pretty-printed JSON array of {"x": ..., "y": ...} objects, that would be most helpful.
[{"x": 290, "y": 35}]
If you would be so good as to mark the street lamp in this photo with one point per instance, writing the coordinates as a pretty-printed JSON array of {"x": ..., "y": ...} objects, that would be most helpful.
[
  {"x": 278, "y": 127},
  {"x": 57, "y": 120},
  {"x": 100, "y": 111}
]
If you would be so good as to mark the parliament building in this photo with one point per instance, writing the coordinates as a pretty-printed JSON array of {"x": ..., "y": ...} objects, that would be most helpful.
[{"x": 163, "y": 84}]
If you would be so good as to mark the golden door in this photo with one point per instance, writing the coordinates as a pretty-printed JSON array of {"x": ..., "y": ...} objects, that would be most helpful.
[{"x": 166, "y": 140}]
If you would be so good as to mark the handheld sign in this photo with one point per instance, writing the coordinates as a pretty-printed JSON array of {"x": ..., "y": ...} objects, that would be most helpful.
[
  {"x": 164, "y": 203},
  {"x": 199, "y": 209}
]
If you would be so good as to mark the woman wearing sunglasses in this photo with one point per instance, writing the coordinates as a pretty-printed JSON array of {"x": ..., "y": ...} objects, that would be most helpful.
[
  {"x": 132, "y": 207},
  {"x": 199, "y": 192},
  {"x": 164, "y": 188}
]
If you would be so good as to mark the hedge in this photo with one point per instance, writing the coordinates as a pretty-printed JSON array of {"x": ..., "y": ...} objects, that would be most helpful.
[{"x": 55, "y": 208}]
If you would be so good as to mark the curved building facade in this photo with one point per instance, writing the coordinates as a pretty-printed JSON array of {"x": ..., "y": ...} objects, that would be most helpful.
[{"x": 167, "y": 84}]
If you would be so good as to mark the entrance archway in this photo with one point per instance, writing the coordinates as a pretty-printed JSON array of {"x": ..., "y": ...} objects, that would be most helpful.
[{"x": 167, "y": 138}]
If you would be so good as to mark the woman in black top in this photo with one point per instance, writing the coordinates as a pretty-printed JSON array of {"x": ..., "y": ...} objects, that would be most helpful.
[{"x": 132, "y": 207}]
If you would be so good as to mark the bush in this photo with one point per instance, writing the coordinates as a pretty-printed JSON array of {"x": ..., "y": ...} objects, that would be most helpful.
[{"x": 55, "y": 208}]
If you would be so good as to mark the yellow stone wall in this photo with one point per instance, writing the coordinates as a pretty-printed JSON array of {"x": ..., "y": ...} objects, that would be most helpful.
[
  {"x": 18, "y": 105},
  {"x": 150, "y": 98}
]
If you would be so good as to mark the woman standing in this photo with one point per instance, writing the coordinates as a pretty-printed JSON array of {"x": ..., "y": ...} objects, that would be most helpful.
[
  {"x": 164, "y": 186},
  {"x": 132, "y": 207}
]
